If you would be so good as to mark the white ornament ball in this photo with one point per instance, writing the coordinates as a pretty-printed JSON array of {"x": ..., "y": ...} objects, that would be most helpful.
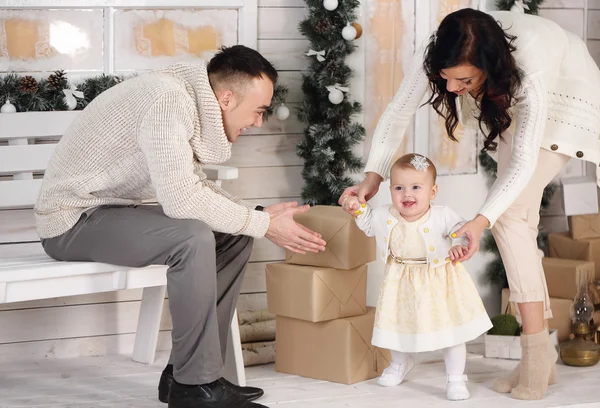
[
  {"x": 71, "y": 103},
  {"x": 349, "y": 33},
  {"x": 330, "y": 4},
  {"x": 282, "y": 112},
  {"x": 336, "y": 96},
  {"x": 8, "y": 107}
]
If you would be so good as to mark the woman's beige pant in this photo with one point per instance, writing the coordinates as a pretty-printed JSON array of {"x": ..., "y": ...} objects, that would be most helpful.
[{"x": 516, "y": 230}]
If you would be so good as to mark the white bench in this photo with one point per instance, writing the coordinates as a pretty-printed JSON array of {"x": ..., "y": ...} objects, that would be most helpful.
[{"x": 34, "y": 275}]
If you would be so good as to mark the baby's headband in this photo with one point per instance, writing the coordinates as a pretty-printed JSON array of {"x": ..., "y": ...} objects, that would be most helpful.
[{"x": 419, "y": 162}]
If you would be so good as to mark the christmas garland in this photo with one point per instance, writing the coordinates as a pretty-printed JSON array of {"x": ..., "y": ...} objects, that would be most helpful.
[
  {"x": 495, "y": 272},
  {"x": 56, "y": 93},
  {"x": 330, "y": 133}
]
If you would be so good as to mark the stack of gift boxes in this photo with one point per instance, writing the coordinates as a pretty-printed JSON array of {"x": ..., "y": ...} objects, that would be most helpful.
[
  {"x": 323, "y": 326},
  {"x": 572, "y": 253}
]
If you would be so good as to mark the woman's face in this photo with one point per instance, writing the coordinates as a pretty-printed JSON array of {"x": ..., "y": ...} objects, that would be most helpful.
[{"x": 463, "y": 78}]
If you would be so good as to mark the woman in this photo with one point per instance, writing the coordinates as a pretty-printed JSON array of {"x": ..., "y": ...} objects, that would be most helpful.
[{"x": 534, "y": 91}]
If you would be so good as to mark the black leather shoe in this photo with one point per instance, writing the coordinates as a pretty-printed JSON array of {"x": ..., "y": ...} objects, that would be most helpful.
[
  {"x": 248, "y": 393},
  {"x": 164, "y": 386},
  {"x": 213, "y": 395}
]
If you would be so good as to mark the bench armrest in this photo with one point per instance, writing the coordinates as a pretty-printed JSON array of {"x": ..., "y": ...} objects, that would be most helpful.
[{"x": 217, "y": 172}]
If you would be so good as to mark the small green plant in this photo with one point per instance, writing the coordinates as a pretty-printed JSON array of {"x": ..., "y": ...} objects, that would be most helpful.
[{"x": 505, "y": 325}]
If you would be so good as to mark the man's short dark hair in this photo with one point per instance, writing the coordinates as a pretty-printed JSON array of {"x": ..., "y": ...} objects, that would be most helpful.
[{"x": 238, "y": 65}]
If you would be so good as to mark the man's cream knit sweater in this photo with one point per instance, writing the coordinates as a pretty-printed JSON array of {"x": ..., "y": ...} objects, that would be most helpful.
[{"x": 146, "y": 138}]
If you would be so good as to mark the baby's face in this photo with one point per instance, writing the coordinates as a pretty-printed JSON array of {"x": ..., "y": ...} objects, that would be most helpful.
[{"x": 412, "y": 191}]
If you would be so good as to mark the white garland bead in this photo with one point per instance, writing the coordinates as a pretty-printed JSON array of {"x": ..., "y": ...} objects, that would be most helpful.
[
  {"x": 282, "y": 112},
  {"x": 336, "y": 96},
  {"x": 8, "y": 107},
  {"x": 349, "y": 33},
  {"x": 330, "y": 4}
]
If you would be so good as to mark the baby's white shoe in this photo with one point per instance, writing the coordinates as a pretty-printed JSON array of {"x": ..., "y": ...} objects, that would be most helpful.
[
  {"x": 456, "y": 388},
  {"x": 395, "y": 373}
]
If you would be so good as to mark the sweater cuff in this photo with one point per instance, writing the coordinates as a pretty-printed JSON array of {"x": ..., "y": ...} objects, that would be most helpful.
[
  {"x": 381, "y": 163},
  {"x": 247, "y": 204},
  {"x": 491, "y": 214},
  {"x": 258, "y": 224}
]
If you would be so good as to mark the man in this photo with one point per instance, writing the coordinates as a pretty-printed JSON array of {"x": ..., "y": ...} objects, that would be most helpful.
[{"x": 149, "y": 137}]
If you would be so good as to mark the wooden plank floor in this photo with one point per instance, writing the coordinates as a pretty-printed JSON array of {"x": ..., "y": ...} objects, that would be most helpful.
[{"x": 116, "y": 381}]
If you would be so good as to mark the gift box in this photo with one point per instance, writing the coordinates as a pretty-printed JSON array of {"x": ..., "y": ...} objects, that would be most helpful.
[
  {"x": 561, "y": 321},
  {"x": 508, "y": 347},
  {"x": 337, "y": 350},
  {"x": 580, "y": 195},
  {"x": 584, "y": 226},
  {"x": 347, "y": 246},
  {"x": 562, "y": 276},
  {"x": 315, "y": 293},
  {"x": 562, "y": 246}
]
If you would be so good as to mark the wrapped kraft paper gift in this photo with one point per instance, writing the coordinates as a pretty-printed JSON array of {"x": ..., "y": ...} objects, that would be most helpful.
[
  {"x": 338, "y": 350},
  {"x": 314, "y": 293},
  {"x": 584, "y": 226},
  {"x": 580, "y": 195},
  {"x": 561, "y": 320},
  {"x": 347, "y": 246},
  {"x": 563, "y": 246},
  {"x": 562, "y": 276}
]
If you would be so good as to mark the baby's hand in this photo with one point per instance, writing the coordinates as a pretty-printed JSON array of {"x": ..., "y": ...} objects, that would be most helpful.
[
  {"x": 351, "y": 203},
  {"x": 456, "y": 252}
]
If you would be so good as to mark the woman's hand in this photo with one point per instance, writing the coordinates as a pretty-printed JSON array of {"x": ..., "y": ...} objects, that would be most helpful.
[
  {"x": 472, "y": 230},
  {"x": 363, "y": 192}
]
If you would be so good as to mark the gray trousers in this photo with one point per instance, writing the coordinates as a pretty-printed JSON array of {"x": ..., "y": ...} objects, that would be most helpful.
[{"x": 205, "y": 273}]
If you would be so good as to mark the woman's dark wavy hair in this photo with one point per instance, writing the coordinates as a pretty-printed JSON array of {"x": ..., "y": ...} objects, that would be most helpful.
[{"x": 473, "y": 37}]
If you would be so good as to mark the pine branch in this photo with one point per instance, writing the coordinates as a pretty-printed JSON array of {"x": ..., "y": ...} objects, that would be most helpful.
[
  {"x": 533, "y": 5},
  {"x": 496, "y": 274},
  {"x": 547, "y": 195},
  {"x": 47, "y": 94},
  {"x": 488, "y": 164},
  {"x": 280, "y": 94},
  {"x": 92, "y": 87},
  {"x": 488, "y": 244}
]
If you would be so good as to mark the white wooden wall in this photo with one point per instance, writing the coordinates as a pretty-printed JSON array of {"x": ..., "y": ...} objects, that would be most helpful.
[{"x": 269, "y": 172}]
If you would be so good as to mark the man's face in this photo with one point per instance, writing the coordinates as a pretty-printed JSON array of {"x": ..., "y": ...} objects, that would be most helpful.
[{"x": 245, "y": 109}]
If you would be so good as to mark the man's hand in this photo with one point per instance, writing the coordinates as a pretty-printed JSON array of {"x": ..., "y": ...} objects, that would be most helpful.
[
  {"x": 272, "y": 209},
  {"x": 473, "y": 230},
  {"x": 363, "y": 191},
  {"x": 287, "y": 233},
  {"x": 280, "y": 206},
  {"x": 457, "y": 252}
]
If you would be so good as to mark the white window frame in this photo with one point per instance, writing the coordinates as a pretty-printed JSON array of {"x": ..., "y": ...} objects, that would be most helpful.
[{"x": 247, "y": 15}]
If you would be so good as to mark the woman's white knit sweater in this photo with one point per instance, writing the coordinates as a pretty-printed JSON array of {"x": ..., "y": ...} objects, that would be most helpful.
[
  {"x": 558, "y": 107},
  {"x": 146, "y": 138}
]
